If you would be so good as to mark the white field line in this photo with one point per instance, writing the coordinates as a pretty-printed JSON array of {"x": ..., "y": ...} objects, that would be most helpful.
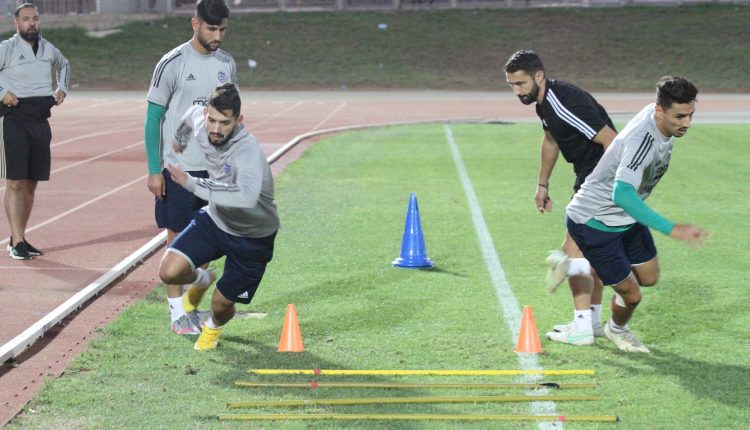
[
  {"x": 503, "y": 290},
  {"x": 86, "y": 136},
  {"x": 276, "y": 115},
  {"x": 79, "y": 207},
  {"x": 88, "y": 160},
  {"x": 335, "y": 111}
]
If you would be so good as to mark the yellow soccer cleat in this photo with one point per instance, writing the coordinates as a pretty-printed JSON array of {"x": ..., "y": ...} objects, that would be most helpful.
[
  {"x": 194, "y": 294},
  {"x": 209, "y": 339}
]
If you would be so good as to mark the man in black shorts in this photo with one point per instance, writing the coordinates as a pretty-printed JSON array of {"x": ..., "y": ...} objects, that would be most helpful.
[
  {"x": 578, "y": 127},
  {"x": 26, "y": 62}
]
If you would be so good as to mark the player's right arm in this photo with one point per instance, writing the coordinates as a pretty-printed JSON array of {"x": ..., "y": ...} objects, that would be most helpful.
[
  {"x": 604, "y": 137},
  {"x": 152, "y": 137},
  {"x": 549, "y": 153}
]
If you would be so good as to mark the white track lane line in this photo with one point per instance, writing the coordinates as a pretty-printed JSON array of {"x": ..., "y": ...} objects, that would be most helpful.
[
  {"x": 81, "y": 206},
  {"x": 86, "y": 136},
  {"x": 503, "y": 290},
  {"x": 70, "y": 166},
  {"x": 320, "y": 124},
  {"x": 276, "y": 115}
]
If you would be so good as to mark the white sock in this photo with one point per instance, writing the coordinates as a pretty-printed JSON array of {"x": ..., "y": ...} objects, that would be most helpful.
[
  {"x": 203, "y": 279},
  {"x": 582, "y": 320},
  {"x": 616, "y": 328},
  {"x": 210, "y": 324},
  {"x": 596, "y": 315},
  {"x": 579, "y": 266},
  {"x": 175, "y": 307}
]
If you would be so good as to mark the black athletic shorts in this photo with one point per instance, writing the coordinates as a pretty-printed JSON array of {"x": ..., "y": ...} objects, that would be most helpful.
[{"x": 26, "y": 138}]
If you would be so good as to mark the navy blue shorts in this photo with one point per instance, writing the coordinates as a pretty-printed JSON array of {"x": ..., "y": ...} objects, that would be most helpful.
[
  {"x": 202, "y": 241},
  {"x": 175, "y": 210},
  {"x": 612, "y": 254}
]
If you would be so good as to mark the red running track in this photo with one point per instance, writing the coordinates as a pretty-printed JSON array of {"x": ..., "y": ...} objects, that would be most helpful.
[{"x": 96, "y": 210}]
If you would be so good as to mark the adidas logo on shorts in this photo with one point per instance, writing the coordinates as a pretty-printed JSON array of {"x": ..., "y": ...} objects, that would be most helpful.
[{"x": 243, "y": 295}]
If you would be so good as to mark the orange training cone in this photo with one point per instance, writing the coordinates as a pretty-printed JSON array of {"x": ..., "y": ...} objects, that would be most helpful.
[
  {"x": 291, "y": 338},
  {"x": 528, "y": 338}
]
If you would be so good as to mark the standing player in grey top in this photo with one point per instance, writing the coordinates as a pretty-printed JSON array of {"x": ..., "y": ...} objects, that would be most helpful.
[
  {"x": 240, "y": 221},
  {"x": 26, "y": 63},
  {"x": 183, "y": 78},
  {"x": 608, "y": 218}
]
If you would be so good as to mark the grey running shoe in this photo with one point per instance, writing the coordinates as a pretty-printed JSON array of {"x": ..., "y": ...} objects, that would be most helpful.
[
  {"x": 195, "y": 319},
  {"x": 558, "y": 269},
  {"x": 598, "y": 330},
  {"x": 19, "y": 252},
  {"x": 184, "y": 326},
  {"x": 625, "y": 340},
  {"x": 33, "y": 251},
  {"x": 571, "y": 336}
]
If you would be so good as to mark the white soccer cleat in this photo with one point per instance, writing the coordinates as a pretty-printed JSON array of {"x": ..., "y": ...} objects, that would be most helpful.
[
  {"x": 598, "y": 330},
  {"x": 571, "y": 336},
  {"x": 625, "y": 340},
  {"x": 558, "y": 269}
]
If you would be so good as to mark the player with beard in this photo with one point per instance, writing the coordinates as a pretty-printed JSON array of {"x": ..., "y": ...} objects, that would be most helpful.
[
  {"x": 577, "y": 126},
  {"x": 26, "y": 64},
  {"x": 183, "y": 78},
  {"x": 240, "y": 221}
]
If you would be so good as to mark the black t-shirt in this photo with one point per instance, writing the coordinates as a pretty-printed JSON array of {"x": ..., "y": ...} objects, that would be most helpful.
[{"x": 573, "y": 117}]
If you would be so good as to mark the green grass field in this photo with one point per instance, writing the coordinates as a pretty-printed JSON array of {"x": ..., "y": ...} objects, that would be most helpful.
[
  {"x": 597, "y": 48},
  {"x": 342, "y": 207}
]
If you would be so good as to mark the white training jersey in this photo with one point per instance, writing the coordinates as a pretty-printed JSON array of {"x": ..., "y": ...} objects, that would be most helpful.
[
  {"x": 184, "y": 78},
  {"x": 639, "y": 155}
]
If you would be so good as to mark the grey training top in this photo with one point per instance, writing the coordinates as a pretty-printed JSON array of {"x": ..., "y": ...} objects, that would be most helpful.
[
  {"x": 183, "y": 78},
  {"x": 639, "y": 155},
  {"x": 29, "y": 75},
  {"x": 239, "y": 189}
]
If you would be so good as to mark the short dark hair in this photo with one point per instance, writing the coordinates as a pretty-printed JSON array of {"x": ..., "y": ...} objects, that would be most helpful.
[
  {"x": 226, "y": 97},
  {"x": 212, "y": 12},
  {"x": 674, "y": 89},
  {"x": 524, "y": 60},
  {"x": 24, "y": 6}
]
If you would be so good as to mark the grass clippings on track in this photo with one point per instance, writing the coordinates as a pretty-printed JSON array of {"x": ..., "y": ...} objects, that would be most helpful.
[{"x": 342, "y": 207}]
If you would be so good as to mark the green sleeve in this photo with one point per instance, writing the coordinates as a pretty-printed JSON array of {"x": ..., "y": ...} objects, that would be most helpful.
[
  {"x": 625, "y": 196},
  {"x": 152, "y": 131}
]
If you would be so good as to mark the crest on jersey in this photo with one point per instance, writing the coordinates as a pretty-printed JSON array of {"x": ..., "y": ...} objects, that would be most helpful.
[
  {"x": 222, "y": 76},
  {"x": 228, "y": 169}
]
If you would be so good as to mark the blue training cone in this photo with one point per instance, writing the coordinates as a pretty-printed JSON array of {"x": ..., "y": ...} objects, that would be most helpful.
[{"x": 413, "y": 254}]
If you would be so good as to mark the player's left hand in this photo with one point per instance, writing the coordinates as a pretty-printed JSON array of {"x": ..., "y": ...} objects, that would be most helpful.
[
  {"x": 542, "y": 200},
  {"x": 177, "y": 147},
  {"x": 178, "y": 175},
  {"x": 692, "y": 234}
]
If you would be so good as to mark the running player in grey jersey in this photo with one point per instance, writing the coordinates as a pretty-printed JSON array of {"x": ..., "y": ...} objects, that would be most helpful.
[
  {"x": 240, "y": 221},
  {"x": 608, "y": 218},
  {"x": 27, "y": 61},
  {"x": 183, "y": 78}
]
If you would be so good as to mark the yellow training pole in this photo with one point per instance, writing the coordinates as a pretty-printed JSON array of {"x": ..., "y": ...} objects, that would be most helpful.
[
  {"x": 395, "y": 385},
  {"x": 404, "y": 400},
  {"x": 418, "y": 372},
  {"x": 418, "y": 417}
]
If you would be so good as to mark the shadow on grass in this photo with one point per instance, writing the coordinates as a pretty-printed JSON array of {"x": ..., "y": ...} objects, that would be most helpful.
[{"x": 722, "y": 383}]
